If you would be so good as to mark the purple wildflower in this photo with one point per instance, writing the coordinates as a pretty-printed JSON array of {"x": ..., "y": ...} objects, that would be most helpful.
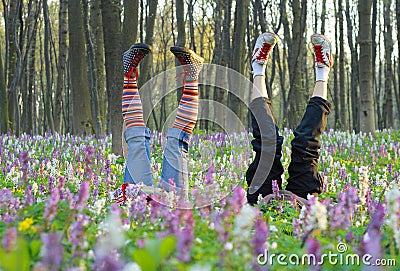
[
  {"x": 9, "y": 239},
  {"x": 53, "y": 255},
  {"x": 314, "y": 248},
  {"x": 259, "y": 241},
  {"x": 83, "y": 196},
  {"x": 51, "y": 207},
  {"x": 371, "y": 241}
]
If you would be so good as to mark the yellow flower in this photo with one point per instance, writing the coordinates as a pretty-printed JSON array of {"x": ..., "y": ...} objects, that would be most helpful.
[{"x": 26, "y": 224}]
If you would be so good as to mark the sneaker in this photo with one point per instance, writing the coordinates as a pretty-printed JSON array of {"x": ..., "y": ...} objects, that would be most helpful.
[
  {"x": 264, "y": 45},
  {"x": 128, "y": 190},
  {"x": 322, "y": 50},
  {"x": 119, "y": 195},
  {"x": 287, "y": 196},
  {"x": 134, "y": 56},
  {"x": 190, "y": 61}
]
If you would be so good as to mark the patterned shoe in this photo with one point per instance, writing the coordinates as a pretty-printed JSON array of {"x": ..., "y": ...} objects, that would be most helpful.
[
  {"x": 134, "y": 56},
  {"x": 190, "y": 61},
  {"x": 119, "y": 195},
  {"x": 322, "y": 50},
  {"x": 264, "y": 45}
]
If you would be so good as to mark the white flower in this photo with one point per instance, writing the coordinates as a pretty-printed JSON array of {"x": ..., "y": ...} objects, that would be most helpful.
[
  {"x": 228, "y": 246},
  {"x": 132, "y": 267},
  {"x": 393, "y": 213},
  {"x": 113, "y": 237},
  {"x": 198, "y": 267},
  {"x": 244, "y": 221},
  {"x": 98, "y": 206},
  {"x": 272, "y": 228},
  {"x": 317, "y": 217}
]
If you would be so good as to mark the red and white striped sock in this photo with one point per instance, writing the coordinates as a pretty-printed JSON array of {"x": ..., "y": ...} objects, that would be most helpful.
[
  {"x": 132, "y": 110},
  {"x": 186, "y": 116}
]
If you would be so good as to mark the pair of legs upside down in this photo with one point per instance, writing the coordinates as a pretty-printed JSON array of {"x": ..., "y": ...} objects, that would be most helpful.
[{"x": 303, "y": 179}]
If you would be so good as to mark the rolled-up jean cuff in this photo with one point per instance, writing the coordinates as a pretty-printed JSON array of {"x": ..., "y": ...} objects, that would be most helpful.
[
  {"x": 137, "y": 131},
  {"x": 179, "y": 134}
]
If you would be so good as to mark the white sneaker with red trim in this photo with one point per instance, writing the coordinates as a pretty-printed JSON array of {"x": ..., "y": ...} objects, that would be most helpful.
[
  {"x": 264, "y": 45},
  {"x": 322, "y": 51}
]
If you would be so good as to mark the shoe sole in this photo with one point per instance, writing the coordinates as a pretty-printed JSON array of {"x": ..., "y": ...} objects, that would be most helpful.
[
  {"x": 183, "y": 50},
  {"x": 267, "y": 34},
  {"x": 141, "y": 46}
]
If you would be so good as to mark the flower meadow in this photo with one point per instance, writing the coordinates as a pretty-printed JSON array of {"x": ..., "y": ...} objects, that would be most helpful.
[{"x": 56, "y": 212}]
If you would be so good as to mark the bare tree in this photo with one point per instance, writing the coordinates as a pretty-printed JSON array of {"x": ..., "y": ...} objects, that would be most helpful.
[
  {"x": 114, "y": 72},
  {"x": 237, "y": 62},
  {"x": 61, "y": 63},
  {"x": 296, "y": 51},
  {"x": 342, "y": 100},
  {"x": 47, "y": 36},
  {"x": 96, "y": 27},
  {"x": 354, "y": 68},
  {"x": 83, "y": 123},
  {"x": 388, "y": 41},
  {"x": 367, "y": 114},
  {"x": 130, "y": 24},
  {"x": 3, "y": 100},
  {"x": 398, "y": 46}
]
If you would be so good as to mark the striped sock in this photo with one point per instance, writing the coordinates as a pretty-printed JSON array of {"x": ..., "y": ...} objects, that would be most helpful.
[
  {"x": 132, "y": 110},
  {"x": 186, "y": 116}
]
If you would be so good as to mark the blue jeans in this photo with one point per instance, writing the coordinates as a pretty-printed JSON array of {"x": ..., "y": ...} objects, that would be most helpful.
[{"x": 174, "y": 167}]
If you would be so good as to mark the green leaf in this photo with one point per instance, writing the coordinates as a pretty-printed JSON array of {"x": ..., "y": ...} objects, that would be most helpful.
[
  {"x": 34, "y": 247},
  {"x": 153, "y": 247},
  {"x": 145, "y": 260},
  {"x": 17, "y": 259},
  {"x": 167, "y": 246}
]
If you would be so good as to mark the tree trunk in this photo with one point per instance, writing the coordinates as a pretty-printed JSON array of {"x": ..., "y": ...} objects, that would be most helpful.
[
  {"x": 388, "y": 41},
  {"x": 10, "y": 16},
  {"x": 61, "y": 63},
  {"x": 94, "y": 96},
  {"x": 96, "y": 24},
  {"x": 354, "y": 71},
  {"x": 343, "y": 107},
  {"x": 145, "y": 66},
  {"x": 297, "y": 93},
  {"x": 191, "y": 24},
  {"x": 130, "y": 24},
  {"x": 398, "y": 49},
  {"x": 114, "y": 72},
  {"x": 367, "y": 114},
  {"x": 181, "y": 39},
  {"x": 238, "y": 50},
  {"x": 30, "y": 74},
  {"x": 323, "y": 17},
  {"x": 83, "y": 123},
  {"x": 3, "y": 100},
  {"x": 49, "y": 83}
]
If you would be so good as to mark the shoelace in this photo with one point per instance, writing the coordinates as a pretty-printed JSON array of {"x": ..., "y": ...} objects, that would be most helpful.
[
  {"x": 182, "y": 59},
  {"x": 319, "y": 56},
  {"x": 264, "y": 52},
  {"x": 134, "y": 63}
]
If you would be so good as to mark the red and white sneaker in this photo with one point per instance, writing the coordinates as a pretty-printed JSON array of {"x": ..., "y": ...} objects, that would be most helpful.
[
  {"x": 191, "y": 62},
  {"x": 131, "y": 191},
  {"x": 134, "y": 56},
  {"x": 264, "y": 45},
  {"x": 119, "y": 195},
  {"x": 322, "y": 51}
]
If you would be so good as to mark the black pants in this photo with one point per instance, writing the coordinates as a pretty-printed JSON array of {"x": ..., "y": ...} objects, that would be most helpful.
[{"x": 303, "y": 169}]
